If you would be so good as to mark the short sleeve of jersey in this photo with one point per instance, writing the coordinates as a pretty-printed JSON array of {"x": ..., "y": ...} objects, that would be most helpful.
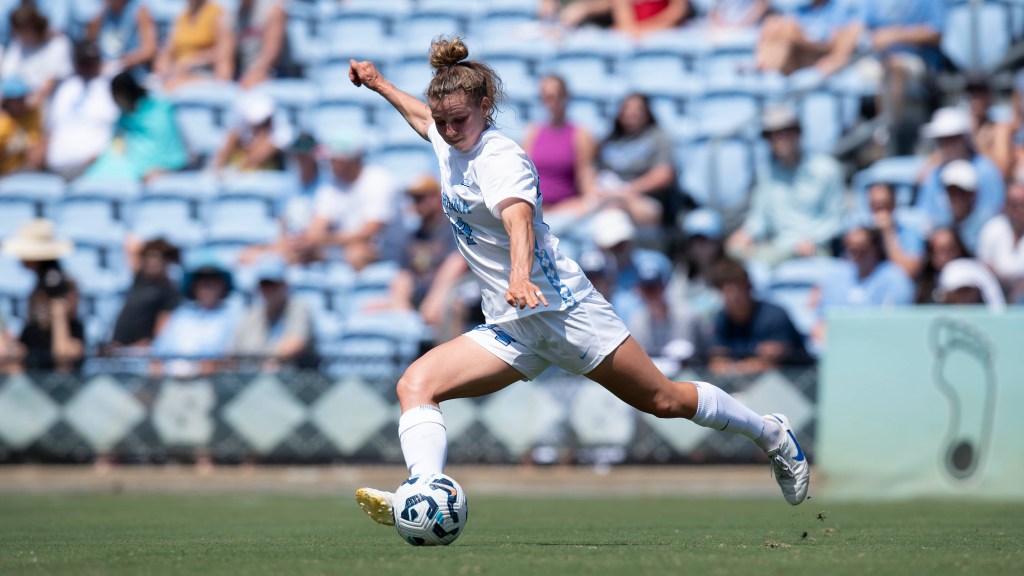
[{"x": 506, "y": 175}]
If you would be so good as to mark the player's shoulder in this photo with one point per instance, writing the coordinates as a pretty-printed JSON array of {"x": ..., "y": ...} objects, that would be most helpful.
[{"x": 496, "y": 145}]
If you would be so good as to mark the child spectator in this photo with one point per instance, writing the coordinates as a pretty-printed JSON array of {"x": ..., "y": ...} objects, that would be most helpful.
[{"x": 200, "y": 47}]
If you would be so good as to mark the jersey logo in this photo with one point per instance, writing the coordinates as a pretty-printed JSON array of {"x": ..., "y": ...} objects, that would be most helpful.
[
  {"x": 454, "y": 204},
  {"x": 463, "y": 229}
]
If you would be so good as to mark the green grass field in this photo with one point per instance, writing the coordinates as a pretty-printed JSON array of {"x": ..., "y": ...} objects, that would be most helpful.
[{"x": 252, "y": 535}]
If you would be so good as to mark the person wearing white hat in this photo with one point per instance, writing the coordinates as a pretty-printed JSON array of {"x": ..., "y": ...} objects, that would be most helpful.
[
  {"x": 797, "y": 203},
  {"x": 967, "y": 281},
  {"x": 355, "y": 207},
  {"x": 950, "y": 130},
  {"x": 614, "y": 232},
  {"x": 540, "y": 310},
  {"x": 258, "y": 137},
  {"x": 53, "y": 336}
]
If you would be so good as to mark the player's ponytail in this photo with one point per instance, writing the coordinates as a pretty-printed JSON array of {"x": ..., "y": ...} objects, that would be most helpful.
[{"x": 454, "y": 73}]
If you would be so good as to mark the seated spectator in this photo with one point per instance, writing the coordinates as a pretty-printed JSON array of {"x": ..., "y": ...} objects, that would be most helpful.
[
  {"x": 53, "y": 337},
  {"x": 431, "y": 266},
  {"x": 942, "y": 247},
  {"x": 262, "y": 41},
  {"x": 614, "y": 233},
  {"x": 652, "y": 318},
  {"x": 750, "y": 335},
  {"x": 797, "y": 203},
  {"x": 146, "y": 140},
  {"x": 81, "y": 116},
  {"x": 562, "y": 152},
  {"x": 967, "y": 216},
  {"x": 257, "y": 138},
  {"x": 201, "y": 328},
  {"x": 37, "y": 55},
  {"x": 634, "y": 17},
  {"x": 700, "y": 247},
  {"x": 22, "y": 146},
  {"x": 126, "y": 34},
  {"x": 807, "y": 37},
  {"x": 950, "y": 128},
  {"x": 902, "y": 242},
  {"x": 355, "y": 208},
  {"x": 152, "y": 297},
  {"x": 297, "y": 210},
  {"x": 904, "y": 39},
  {"x": 726, "y": 14},
  {"x": 967, "y": 281},
  {"x": 600, "y": 270},
  {"x": 635, "y": 165},
  {"x": 201, "y": 46},
  {"x": 277, "y": 328},
  {"x": 1001, "y": 244},
  {"x": 866, "y": 279}
]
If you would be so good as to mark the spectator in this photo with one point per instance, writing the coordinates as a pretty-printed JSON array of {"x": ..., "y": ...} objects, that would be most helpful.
[
  {"x": 614, "y": 233},
  {"x": 152, "y": 297},
  {"x": 53, "y": 337},
  {"x": 967, "y": 281},
  {"x": 355, "y": 209},
  {"x": 36, "y": 55},
  {"x": 81, "y": 117},
  {"x": 600, "y": 270},
  {"x": 725, "y": 14},
  {"x": 750, "y": 335},
  {"x": 126, "y": 34},
  {"x": 942, "y": 247},
  {"x": 22, "y": 146},
  {"x": 1001, "y": 245},
  {"x": 866, "y": 278},
  {"x": 633, "y": 17},
  {"x": 262, "y": 42},
  {"x": 277, "y": 328},
  {"x": 797, "y": 203},
  {"x": 904, "y": 37},
  {"x": 807, "y": 37},
  {"x": 902, "y": 242},
  {"x": 201, "y": 328},
  {"x": 991, "y": 135},
  {"x": 146, "y": 140},
  {"x": 200, "y": 47},
  {"x": 961, "y": 183},
  {"x": 430, "y": 265},
  {"x": 562, "y": 152},
  {"x": 654, "y": 320},
  {"x": 690, "y": 288},
  {"x": 950, "y": 128},
  {"x": 636, "y": 166},
  {"x": 258, "y": 137}
]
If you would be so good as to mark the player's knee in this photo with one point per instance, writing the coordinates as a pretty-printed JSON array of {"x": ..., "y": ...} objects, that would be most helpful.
[
  {"x": 664, "y": 404},
  {"x": 415, "y": 387}
]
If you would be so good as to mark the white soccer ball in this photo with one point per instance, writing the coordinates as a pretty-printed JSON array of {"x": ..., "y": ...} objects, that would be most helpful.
[{"x": 430, "y": 510}]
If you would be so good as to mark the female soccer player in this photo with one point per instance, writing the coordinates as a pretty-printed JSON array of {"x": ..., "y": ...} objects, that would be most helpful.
[{"x": 539, "y": 306}]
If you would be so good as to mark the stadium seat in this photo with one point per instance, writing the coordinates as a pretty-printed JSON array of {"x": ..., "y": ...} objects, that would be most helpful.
[
  {"x": 199, "y": 186},
  {"x": 793, "y": 283},
  {"x": 977, "y": 34},
  {"x": 821, "y": 114},
  {"x": 14, "y": 213},
  {"x": 39, "y": 187},
  {"x": 92, "y": 218},
  {"x": 173, "y": 218},
  {"x": 292, "y": 95},
  {"x": 417, "y": 30},
  {"x": 901, "y": 172},
  {"x": 164, "y": 12},
  {"x": 268, "y": 185},
  {"x": 727, "y": 112},
  {"x": 330, "y": 119},
  {"x": 717, "y": 173},
  {"x": 202, "y": 110},
  {"x": 16, "y": 281},
  {"x": 405, "y": 162}
]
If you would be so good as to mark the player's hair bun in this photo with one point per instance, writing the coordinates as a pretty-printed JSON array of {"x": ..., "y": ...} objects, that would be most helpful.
[{"x": 446, "y": 52}]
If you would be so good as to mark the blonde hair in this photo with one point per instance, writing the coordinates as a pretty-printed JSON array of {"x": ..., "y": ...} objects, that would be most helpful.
[{"x": 453, "y": 73}]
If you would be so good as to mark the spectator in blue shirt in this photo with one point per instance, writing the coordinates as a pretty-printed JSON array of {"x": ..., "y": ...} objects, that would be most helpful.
[
  {"x": 902, "y": 240},
  {"x": 950, "y": 128},
  {"x": 797, "y": 205},
  {"x": 750, "y": 336},
  {"x": 965, "y": 213},
  {"x": 203, "y": 327}
]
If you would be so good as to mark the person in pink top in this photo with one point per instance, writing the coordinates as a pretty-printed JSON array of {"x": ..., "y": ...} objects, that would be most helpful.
[{"x": 562, "y": 152}]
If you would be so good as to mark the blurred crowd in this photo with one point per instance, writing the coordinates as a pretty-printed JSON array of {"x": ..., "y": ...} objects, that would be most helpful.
[{"x": 273, "y": 241}]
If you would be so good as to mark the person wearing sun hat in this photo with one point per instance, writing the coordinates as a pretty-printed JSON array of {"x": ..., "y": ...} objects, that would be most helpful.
[
  {"x": 21, "y": 128},
  {"x": 53, "y": 336},
  {"x": 258, "y": 137},
  {"x": 950, "y": 130},
  {"x": 356, "y": 207}
]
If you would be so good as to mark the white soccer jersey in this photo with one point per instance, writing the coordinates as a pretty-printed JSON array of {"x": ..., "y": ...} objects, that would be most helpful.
[{"x": 473, "y": 184}]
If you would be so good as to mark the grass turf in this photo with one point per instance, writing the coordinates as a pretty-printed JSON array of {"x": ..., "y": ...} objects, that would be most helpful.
[{"x": 146, "y": 534}]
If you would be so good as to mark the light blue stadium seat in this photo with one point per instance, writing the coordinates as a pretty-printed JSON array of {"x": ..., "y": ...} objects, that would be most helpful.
[
  {"x": 292, "y": 95},
  {"x": 193, "y": 185},
  {"x": 238, "y": 214},
  {"x": 89, "y": 217},
  {"x": 15, "y": 280},
  {"x": 164, "y": 12},
  {"x": 821, "y": 118},
  {"x": 727, "y": 112},
  {"x": 793, "y": 283},
  {"x": 202, "y": 110},
  {"x": 717, "y": 173},
  {"x": 412, "y": 74},
  {"x": 405, "y": 162},
  {"x": 174, "y": 218},
  {"x": 39, "y": 187},
  {"x": 374, "y": 345},
  {"x": 268, "y": 185},
  {"x": 417, "y": 30},
  {"x": 900, "y": 172},
  {"x": 990, "y": 22},
  {"x": 591, "y": 114},
  {"x": 331, "y": 119},
  {"x": 14, "y": 213},
  {"x": 359, "y": 27},
  {"x": 116, "y": 190}
]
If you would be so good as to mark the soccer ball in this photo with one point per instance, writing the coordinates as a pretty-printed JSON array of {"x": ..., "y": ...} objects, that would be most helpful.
[{"x": 430, "y": 510}]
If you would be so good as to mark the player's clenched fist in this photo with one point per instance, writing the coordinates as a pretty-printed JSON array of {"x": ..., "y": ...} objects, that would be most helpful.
[{"x": 364, "y": 73}]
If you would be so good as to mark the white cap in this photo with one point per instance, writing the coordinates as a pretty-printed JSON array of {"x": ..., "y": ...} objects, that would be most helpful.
[
  {"x": 967, "y": 272},
  {"x": 960, "y": 173},
  {"x": 948, "y": 122},
  {"x": 256, "y": 108},
  {"x": 703, "y": 222},
  {"x": 611, "y": 227},
  {"x": 778, "y": 117}
]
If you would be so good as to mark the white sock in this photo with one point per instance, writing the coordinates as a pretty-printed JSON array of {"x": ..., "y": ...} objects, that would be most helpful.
[
  {"x": 718, "y": 410},
  {"x": 424, "y": 440}
]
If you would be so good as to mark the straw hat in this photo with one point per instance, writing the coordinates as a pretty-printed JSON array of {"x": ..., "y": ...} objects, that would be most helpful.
[{"x": 36, "y": 242}]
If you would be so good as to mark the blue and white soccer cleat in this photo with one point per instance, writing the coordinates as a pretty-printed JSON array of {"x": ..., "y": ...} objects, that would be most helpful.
[
  {"x": 789, "y": 465},
  {"x": 377, "y": 504}
]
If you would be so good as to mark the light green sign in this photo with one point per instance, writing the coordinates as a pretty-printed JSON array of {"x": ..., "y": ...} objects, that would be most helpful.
[{"x": 923, "y": 402}]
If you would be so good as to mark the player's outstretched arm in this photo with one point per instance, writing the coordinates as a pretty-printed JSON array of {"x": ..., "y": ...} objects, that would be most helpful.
[{"x": 415, "y": 112}]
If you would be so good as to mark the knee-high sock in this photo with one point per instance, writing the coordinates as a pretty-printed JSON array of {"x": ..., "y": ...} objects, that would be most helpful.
[
  {"x": 718, "y": 410},
  {"x": 424, "y": 440}
]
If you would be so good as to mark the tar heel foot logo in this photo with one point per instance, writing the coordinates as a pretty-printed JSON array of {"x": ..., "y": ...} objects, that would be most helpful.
[{"x": 963, "y": 369}]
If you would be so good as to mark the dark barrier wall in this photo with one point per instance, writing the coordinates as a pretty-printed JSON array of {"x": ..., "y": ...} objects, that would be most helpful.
[{"x": 314, "y": 417}]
